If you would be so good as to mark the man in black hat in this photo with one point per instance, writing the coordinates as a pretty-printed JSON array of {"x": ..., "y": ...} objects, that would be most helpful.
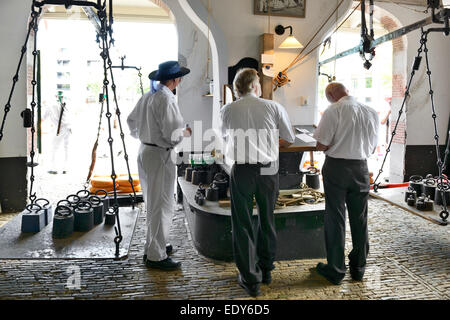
[{"x": 155, "y": 121}]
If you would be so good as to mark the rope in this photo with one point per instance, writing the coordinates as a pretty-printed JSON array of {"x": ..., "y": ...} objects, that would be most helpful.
[
  {"x": 303, "y": 196},
  {"x": 282, "y": 79}
]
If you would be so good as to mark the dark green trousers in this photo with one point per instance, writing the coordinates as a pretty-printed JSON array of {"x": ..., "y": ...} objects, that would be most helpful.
[
  {"x": 254, "y": 238},
  {"x": 346, "y": 185}
]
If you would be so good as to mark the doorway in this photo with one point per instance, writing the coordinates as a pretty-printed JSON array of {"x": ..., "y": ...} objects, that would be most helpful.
[
  {"x": 373, "y": 87},
  {"x": 72, "y": 73}
]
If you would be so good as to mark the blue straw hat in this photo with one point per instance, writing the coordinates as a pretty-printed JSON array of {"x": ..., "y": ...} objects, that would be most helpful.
[{"x": 168, "y": 70}]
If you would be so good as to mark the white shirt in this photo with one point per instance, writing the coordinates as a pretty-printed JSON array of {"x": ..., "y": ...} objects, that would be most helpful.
[
  {"x": 156, "y": 119},
  {"x": 252, "y": 127},
  {"x": 349, "y": 128}
]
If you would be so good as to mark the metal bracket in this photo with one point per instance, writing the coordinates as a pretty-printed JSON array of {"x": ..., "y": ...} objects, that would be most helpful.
[
  {"x": 442, "y": 17},
  {"x": 68, "y": 3}
]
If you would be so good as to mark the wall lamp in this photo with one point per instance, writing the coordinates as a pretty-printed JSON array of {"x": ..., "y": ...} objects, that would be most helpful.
[{"x": 290, "y": 42}]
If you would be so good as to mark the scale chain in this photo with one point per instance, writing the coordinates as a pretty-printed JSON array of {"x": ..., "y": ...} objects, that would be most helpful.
[
  {"x": 35, "y": 16},
  {"x": 394, "y": 131},
  {"x": 440, "y": 164},
  {"x": 442, "y": 181}
]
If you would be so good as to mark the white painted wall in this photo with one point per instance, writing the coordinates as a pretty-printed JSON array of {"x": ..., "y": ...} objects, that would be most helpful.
[
  {"x": 420, "y": 129},
  {"x": 14, "y": 17},
  {"x": 236, "y": 31},
  {"x": 243, "y": 29}
]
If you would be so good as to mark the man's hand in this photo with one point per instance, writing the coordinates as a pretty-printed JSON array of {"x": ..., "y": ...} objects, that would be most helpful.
[
  {"x": 187, "y": 132},
  {"x": 284, "y": 144},
  {"x": 321, "y": 147}
]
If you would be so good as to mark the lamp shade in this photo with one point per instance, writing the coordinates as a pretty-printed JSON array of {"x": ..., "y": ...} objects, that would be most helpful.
[{"x": 291, "y": 43}]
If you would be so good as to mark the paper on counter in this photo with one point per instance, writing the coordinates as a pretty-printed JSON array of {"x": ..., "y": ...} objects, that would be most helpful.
[{"x": 305, "y": 138}]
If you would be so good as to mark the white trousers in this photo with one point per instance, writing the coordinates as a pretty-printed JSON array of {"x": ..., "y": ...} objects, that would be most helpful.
[
  {"x": 60, "y": 155},
  {"x": 157, "y": 176}
]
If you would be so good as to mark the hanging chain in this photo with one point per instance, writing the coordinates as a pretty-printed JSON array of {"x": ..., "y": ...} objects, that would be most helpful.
[
  {"x": 104, "y": 55},
  {"x": 122, "y": 135},
  {"x": 31, "y": 25},
  {"x": 405, "y": 99},
  {"x": 35, "y": 16},
  {"x": 107, "y": 64},
  {"x": 443, "y": 183}
]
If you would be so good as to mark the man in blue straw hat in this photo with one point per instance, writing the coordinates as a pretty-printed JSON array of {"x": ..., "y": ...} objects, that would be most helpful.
[{"x": 154, "y": 121}]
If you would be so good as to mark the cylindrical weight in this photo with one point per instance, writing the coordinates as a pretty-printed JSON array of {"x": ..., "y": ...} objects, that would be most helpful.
[
  {"x": 84, "y": 217},
  {"x": 110, "y": 218},
  {"x": 188, "y": 174},
  {"x": 63, "y": 222},
  {"x": 104, "y": 199},
  {"x": 416, "y": 182},
  {"x": 313, "y": 178},
  {"x": 98, "y": 207}
]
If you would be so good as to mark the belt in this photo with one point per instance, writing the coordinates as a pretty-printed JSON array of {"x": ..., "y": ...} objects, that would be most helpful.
[
  {"x": 155, "y": 145},
  {"x": 347, "y": 160},
  {"x": 258, "y": 164}
]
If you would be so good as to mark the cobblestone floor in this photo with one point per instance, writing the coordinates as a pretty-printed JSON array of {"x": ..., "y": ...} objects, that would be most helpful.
[{"x": 409, "y": 259}]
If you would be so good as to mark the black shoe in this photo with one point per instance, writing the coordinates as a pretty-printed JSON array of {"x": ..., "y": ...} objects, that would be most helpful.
[
  {"x": 321, "y": 269},
  {"x": 356, "y": 275},
  {"x": 166, "y": 264},
  {"x": 266, "y": 277},
  {"x": 169, "y": 250},
  {"x": 64, "y": 172},
  {"x": 52, "y": 172},
  {"x": 251, "y": 289}
]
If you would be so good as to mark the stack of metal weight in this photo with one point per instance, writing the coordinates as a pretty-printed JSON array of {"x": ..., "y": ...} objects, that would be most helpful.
[
  {"x": 80, "y": 212},
  {"x": 36, "y": 216},
  {"x": 425, "y": 193}
]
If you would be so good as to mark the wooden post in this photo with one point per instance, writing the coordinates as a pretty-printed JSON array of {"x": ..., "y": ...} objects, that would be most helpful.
[{"x": 268, "y": 46}]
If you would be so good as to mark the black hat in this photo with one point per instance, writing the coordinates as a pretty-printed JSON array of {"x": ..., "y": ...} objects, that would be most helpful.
[{"x": 168, "y": 70}]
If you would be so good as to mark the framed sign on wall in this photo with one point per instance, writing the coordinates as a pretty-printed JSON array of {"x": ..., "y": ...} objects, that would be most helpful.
[{"x": 282, "y": 8}]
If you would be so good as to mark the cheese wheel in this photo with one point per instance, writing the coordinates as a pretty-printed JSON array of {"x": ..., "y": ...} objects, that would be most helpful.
[
  {"x": 102, "y": 182},
  {"x": 94, "y": 189},
  {"x": 123, "y": 180},
  {"x": 129, "y": 190}
]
